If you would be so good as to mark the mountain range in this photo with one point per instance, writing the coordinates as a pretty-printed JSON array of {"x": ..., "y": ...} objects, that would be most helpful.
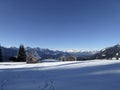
[
  {"x": 44, "y": 53},
  {"x": 109, "y": 53},
  {"x": 106, "y": 53}
]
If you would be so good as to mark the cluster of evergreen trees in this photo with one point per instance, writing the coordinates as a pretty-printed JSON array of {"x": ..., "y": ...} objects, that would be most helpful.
[{"x": 21, "y": 57}]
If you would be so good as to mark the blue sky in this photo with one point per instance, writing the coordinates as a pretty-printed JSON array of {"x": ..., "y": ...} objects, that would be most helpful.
[{"x": 60, "y": 24}]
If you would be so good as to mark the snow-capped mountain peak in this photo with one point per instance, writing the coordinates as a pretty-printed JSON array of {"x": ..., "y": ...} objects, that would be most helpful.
[{"x": 73, "y": 50}]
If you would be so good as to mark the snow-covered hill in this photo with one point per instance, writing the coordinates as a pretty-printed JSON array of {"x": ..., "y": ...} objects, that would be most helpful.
[{"x": 75, "y": 75}]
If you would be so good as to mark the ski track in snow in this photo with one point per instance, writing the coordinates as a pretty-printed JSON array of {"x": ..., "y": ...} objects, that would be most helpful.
[{"x": 75, "y": 75}]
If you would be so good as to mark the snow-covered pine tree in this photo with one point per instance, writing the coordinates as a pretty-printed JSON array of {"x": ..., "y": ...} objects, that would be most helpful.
[
  {"x": 0, "y": 53},
  {"x": 21, "y": 54},
  {"x": 32, "y": 56}
]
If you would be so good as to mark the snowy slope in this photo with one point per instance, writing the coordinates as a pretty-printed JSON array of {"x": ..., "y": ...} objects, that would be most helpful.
[{"x": 75, "y": 75}]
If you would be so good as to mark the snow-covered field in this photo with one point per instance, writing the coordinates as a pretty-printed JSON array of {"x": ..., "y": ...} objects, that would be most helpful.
[{"x": 74, "y": 75}]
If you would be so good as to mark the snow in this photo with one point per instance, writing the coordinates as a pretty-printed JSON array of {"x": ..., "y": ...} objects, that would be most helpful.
[
  {"x": 50, "y": 60},
  {"x": 80, "y": 51},
  {"x": 72, "y": 50},
  {"x": 69, "y": 75}
]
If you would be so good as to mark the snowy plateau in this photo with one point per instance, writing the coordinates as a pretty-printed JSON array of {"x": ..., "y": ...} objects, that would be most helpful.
[{"x": 54, "y": 75}]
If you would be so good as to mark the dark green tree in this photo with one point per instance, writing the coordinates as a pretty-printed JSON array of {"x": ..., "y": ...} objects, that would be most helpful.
[
  {"x": 21, "y": 54},
  {"x": 0, "y": 53}
]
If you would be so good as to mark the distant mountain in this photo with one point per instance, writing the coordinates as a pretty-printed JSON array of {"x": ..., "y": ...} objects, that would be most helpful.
[
  {"x": 44, "y": 53},
  {"x": 47, "y": 53},
  {"x": 106, "y": 53},
  {"x": 82, "y": 53},
  {"x": 9, "y": 52},
  {"x": 109, "y": 53}
]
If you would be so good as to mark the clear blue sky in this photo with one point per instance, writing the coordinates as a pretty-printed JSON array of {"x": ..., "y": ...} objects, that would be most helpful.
[{"x": 60, "y": 24}]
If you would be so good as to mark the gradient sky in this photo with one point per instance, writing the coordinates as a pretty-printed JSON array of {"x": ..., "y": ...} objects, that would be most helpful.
[{"x": 60, "y": 24}]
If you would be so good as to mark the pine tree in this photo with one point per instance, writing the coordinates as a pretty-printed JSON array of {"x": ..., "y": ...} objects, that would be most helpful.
[
  {"x": 0, "y": 53},
  {"x": 21, "y": 54}
]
